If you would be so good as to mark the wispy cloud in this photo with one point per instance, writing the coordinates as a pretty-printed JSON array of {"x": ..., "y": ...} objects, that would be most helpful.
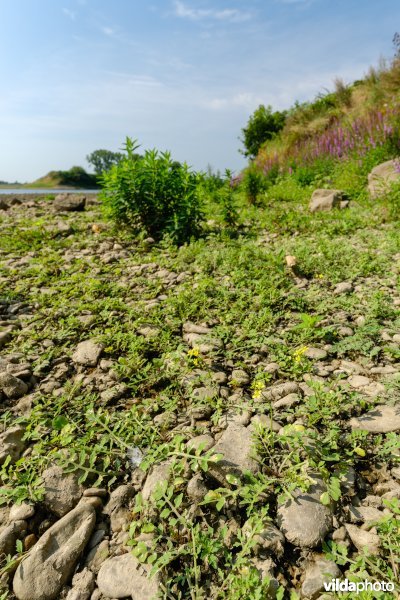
[
  {"x": 108, "y": 31},
  {"x": 232, "y": 15},
  {"x": 69, "y": 13}
]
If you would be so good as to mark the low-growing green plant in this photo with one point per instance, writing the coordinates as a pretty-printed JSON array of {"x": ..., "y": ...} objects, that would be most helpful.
[{"x": 155, "y": 194}]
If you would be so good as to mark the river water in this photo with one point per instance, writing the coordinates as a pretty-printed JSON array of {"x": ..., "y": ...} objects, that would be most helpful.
[{"x": 44, "y": 191}]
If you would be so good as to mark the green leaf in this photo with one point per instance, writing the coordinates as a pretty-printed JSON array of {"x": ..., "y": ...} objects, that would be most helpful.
[{"x": 59, "y": 422}]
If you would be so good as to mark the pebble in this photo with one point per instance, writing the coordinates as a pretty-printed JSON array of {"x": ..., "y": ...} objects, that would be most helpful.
[
  {"x": 123, "y": 577},
  {"x": 87, "y": 353},
  {"x": 381, "y": 419},
  {"x": 304, "y": 520}
]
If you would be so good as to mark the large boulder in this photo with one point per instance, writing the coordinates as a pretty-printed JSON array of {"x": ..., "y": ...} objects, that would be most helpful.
[
  {"x": 51, "y": 562},
  {"x": 324, "y": 200},
  {"x": 382, "y": 176}
]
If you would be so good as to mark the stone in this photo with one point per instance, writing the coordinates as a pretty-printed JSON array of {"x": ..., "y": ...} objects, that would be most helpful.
[
  {"x": 320, "y": 571},
  {"x": 120, "y": 497},
  {"x": 83, "y": 584},
  {"x": 325, "y": 200},
  {"x": 51, "y": 562},
  {"x": 205, "y": 441},
  {"x": 5, "y": 337},
  {"x": 276, "y": 392},
  {"x": 149, "y": 332},
  {"x": 365, "y": 514},
  {"x": 269, "y": 540},
  {"x": 265, "y": 568},
  {"x": 382, "y": 176},
  {"x": 236, "y": 446},
  {"x": 303, "y": 520},
  {"x": 381, "y": 419},
  {"x": 11, "y": 386},
  {"x": 69, "y": 203},
  {"x": 62, "y": 490},
  {"x": 158, "y": 475},
  {"x": 287, "y": 401},
  {"x": 363, "y": 540},
  {"x": 3, "y": 204},
  {"x": 123, "y": 577},
  {"x": 345, "y": 287},
  {"x": 97, "y": 555},
  {"x": 10, "y": 535},
  {"x": 12, "y": 444},
  {"x": 239, "y": 377},
  {"x": 316, "y": 353},
  {"x": 358, "y": 381},
  {"x": 22, "y": 511},
  {"x": 196, "y": 488},
  {"x": 87, "y": 353}
]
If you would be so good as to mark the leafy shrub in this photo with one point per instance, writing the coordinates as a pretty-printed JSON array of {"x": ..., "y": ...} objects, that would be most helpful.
[
  {"x": 155, "y": 194},
  {"x": 254, "y": 183},
  {"x": 227, "y": 200}
]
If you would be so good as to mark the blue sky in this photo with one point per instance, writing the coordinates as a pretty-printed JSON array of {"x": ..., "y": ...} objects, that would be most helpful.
[{"x": 179, "y": 75}]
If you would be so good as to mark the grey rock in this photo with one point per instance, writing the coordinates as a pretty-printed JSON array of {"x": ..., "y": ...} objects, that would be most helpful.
[
  {"x": 62, "y": 490},
  {"x": 382, "y": 176},
  {"x": 236, "y": 446},
  {"x": 87, "y": 353},
  {"x": 204, "y": 441},
  {"x": 345, "y": 287},
  {"x": 50, "y": 564},
  {"x": 3, "y": 204},
  {"x": 265, "y": 568},
  {"x": 190, "y": 327},
  {"x": 364, "y": 514},
  {"x": 316, "y": 353},
  {"x": 381, "y": 419},
  {"x": 276, "y": 392},
  {"x": 320, "y": 571},
  {"x": 240, "y": 377},
  {"x": 124, "y": 577},
  {"x": 324, "y": 200},
  {"x": 69, "y": 203},
  {"x": 358, "y": 381},
  {"x": 10, "y": 535},
  {"x": 11, "y": 386},
  {"x": 5, "y": 337},
  {"x": 363, "y": 540},
  {"x": 304, "y": 520},
  {"x": 158, "y": 475},
  {"x": 120, "y": 497},
  {"x": 196, "y": 488},
  {"x": 287, "y": 401},
  {"x": 83, "y": 584},
  {"x": 22, "y": 511},
  {"x": 97, "y": 555},
  {"x": 269, "y": 540},
  {"x": 12, "y": 444}
]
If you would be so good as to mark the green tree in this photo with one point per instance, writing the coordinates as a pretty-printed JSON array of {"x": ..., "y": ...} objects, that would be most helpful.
[
  {"x": 262, "y": 126},
  {"x": 102, "y": 160}
]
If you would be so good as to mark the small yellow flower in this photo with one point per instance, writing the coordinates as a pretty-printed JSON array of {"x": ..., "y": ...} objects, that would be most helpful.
[
  {"x": 298, "y": 354},
  {"x": 257, "y": 387},
  {"x": 319, "y": 276},
  {"x": 194, "y": 353}
]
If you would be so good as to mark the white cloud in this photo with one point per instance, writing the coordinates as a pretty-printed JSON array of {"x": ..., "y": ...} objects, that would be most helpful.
[
  {"x": 69, "y": 13},
  {"x": 232, "y": 15},
  {"x": 108, "y": 31}
]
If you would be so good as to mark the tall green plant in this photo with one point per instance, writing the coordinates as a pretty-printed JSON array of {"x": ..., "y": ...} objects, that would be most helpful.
[{"x": 154, "y": 194}]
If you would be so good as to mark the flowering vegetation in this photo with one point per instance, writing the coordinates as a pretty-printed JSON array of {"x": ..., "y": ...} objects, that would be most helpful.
[{"x": 342, "y": 140}]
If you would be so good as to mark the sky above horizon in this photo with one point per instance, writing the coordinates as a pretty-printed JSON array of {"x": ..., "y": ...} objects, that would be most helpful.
[{"x": 178, "y": 75}]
